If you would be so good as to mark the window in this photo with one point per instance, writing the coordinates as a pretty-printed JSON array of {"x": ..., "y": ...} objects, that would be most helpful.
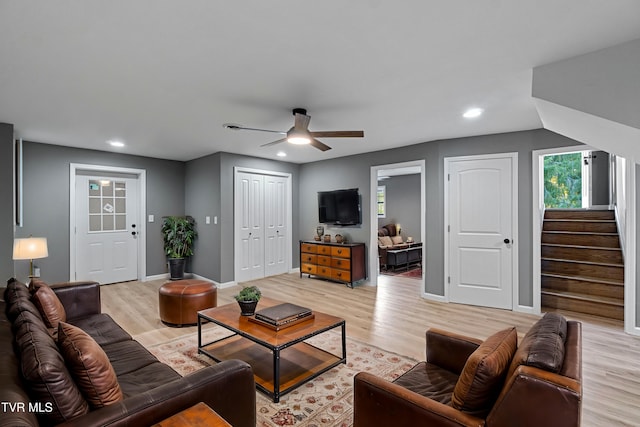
[
  {"x": 382, "y": 199},
  {"x": 107, "y": 205}
]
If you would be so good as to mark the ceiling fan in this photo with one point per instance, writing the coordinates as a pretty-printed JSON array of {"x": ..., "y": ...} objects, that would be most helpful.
[{"x": 300, "y": 134}]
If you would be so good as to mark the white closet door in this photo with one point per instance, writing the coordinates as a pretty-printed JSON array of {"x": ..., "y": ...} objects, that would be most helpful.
[
  {"x": 275, "y": 198},
  {"x": 249, "y": 214}
]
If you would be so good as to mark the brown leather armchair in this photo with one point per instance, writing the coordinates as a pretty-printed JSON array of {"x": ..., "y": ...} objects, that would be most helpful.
[{"x": 540, "y": 384}]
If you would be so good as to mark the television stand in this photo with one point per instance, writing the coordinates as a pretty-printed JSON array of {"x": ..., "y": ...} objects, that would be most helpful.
[{"x": 339, "y": 262}]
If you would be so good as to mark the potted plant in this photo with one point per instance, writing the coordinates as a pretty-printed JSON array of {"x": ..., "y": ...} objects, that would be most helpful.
[
  {"x": 178, "y": 233},
  {"x": 248, "y": 299}
]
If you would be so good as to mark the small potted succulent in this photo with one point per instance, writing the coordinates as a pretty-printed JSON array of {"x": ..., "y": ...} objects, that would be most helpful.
[{"x": 248, "y": 299}]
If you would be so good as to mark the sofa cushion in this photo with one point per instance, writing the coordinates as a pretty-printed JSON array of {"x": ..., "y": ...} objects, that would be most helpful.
[
  {"x": 543, "y": 345},
  {"x": 102, "y": 328},
  {"x": 45, "y": 373},
  {"x": 36, "y": 284},
  {"x": 15, "y": 290},
  {"x": 384, "y": 241},
  {"x": 147, "y": 378},
  {"x": 430, "y": 381},
  {"x": 483, "y": 374},
  {"x": 50, "y": 306},
  {"x": 128, "y": 356},
  {"x": 89, "y": 365},
  {"x": 21, "y": 305}
]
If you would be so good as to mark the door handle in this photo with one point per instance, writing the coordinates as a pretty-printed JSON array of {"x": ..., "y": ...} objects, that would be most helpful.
[
  {"x": 133, "y": 233},
  {"x": 507, "y": 241}
]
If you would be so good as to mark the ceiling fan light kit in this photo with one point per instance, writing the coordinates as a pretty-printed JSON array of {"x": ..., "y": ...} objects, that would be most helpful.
[{"x": 299, "y": 133}]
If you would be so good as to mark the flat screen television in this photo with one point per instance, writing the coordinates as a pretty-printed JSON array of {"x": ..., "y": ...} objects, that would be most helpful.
[{"x": 339, "y": 207}]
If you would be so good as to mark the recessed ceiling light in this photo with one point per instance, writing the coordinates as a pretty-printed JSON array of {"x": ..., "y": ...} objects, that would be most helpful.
[
  {"x": 116, "y": 143},
  {"x": 281, "y": 154},
  {"x": 472, "y": 113}
]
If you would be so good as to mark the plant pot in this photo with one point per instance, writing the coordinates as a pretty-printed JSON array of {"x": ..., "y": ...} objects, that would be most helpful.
[
  {"x": 176, "y": 268},
  {"x": 247, "y": 308}
]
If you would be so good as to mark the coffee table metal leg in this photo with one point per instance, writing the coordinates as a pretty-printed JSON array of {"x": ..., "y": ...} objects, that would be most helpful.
[
  {"x": 276, "y": 375},
  {"x": 344, "y": 343}
]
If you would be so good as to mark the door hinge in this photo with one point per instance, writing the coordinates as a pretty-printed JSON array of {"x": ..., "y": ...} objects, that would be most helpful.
[
  {"x": 448, "y": 229},
  {"x": 448, "y": 279},
  {"x": 448, "y": 177}
]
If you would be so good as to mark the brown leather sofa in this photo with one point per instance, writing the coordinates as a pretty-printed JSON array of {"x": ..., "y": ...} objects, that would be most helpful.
[
  {"x": 468, "y": 382},
  {"x": 40, "y": 387}
]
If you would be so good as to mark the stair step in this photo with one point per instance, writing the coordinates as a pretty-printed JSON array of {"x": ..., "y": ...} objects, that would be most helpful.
[
  {"x": 579, "y": 214},
  {"x": 593, "y": 226},
  {"x": 610, "y": 308},
  {"x": 608, "y": 240},
  {"x": 582, "y": 253},
  {"x": 582, "y": 285},
  {"x": 581, "y": 268}
]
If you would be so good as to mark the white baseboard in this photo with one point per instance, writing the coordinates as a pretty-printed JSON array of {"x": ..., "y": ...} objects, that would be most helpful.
[
  {"x": 525, "y": 309},
  {"x": 156, "y": 277},
  {"x": 434, "y": 297}
]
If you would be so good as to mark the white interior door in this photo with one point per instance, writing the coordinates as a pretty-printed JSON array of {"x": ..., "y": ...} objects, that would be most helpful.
[
  {"x": 275, "y": 222},
  {"x": 481, "y": 231},
  {"x": 249, "y": 214},
  {"x": 106, "y": 231}
]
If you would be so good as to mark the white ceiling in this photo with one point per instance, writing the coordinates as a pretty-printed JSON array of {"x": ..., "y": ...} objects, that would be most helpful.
[{"x": 165, "y": 75}]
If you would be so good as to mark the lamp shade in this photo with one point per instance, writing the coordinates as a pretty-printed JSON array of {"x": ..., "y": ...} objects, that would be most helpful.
[{"x": 30, "y": 248}]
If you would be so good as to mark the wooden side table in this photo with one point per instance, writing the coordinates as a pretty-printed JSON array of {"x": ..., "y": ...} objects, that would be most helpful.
[{"x": 199, "y": 415}]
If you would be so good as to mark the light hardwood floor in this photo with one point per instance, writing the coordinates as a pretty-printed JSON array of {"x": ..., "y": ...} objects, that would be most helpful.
[{"x": 393, "y": 316}]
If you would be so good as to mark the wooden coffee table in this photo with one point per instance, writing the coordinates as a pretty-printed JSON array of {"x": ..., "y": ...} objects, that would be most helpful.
[{"x": 281, "y": 360}]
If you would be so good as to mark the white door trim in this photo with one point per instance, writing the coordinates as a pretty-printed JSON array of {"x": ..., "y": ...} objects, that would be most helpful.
[
  {"x": 630, "y": 232},
  {"x": 373, "y": 208},
  {"x": 141, "y": 175},
  {"x": 514, "y": 212},
  {"x": 236, "y": 232},
  {"x": 537, "y": 176}
]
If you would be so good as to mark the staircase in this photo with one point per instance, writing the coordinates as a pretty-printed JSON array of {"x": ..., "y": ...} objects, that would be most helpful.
[{"x": 582, "y": 265}]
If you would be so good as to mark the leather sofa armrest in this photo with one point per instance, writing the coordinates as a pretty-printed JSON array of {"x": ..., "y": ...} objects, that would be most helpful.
[
  {"x": 381, "y": 403},
  {"x": 227, "y": 387},
  {"x": 79, "y": 298},
  {"x": 449, "y": 350},
  {"x": 560, "y": 396}
]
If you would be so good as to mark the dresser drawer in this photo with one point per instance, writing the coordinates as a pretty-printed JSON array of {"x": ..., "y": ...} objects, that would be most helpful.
[
  {"x": 324, "y": 272},
  {"x": 309, "y": 248},
  {"x": 340, "y": 252},
  {"x": 341, "y": 275},
  {"x": 308, "y": 268},
  {"x": 343, "y": 263},
  {"x": 324, "y": 260},
  {"x": 324, "y": 250},
  {"x": 308, "y": 258}
]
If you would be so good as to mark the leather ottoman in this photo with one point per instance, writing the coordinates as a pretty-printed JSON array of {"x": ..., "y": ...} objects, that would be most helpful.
[{"x": 181, "y": 300}]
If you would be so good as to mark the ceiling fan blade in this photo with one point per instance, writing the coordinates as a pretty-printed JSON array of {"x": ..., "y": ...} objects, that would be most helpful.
[
  {"x": 319, "y": 145},
  {"x": 238, "y": 127},
  {"x": 302, "y": 121},
  {"x": 338, "y": 134},
  {"x": 274, "y": 142}
]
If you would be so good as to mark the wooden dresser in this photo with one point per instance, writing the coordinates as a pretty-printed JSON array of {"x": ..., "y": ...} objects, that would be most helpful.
[{"x": 340, "y": 262}]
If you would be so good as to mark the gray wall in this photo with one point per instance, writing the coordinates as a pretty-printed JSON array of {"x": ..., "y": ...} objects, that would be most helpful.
[
  {"x": 403, "y": 204},
  {"x": 46, "y": 201},
  {"x": 354, "y": 171},
  {"x": 603, "y": 83},
  {"x": 210, "y": 192},
  {"x": 6, "y": 200}
]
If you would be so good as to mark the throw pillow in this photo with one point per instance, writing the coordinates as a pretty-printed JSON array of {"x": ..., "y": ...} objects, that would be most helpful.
[
  {"x": 385, "y": 241},
  {"x": 396, "y": 240},
  {"x": 36, "y": 284},
  {"x": 543, "y": 345},
  {"x": 89, "y": 365},
  {"x": 50, "y": 307},
  {"x": 483, "y": 374}
]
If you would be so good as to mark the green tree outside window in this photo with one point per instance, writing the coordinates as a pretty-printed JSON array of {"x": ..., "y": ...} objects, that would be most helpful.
[{"x": 563, "y": 181}]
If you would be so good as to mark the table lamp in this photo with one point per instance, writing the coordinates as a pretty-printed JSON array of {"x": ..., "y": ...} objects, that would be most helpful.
[{"x": 30, "y": 248}]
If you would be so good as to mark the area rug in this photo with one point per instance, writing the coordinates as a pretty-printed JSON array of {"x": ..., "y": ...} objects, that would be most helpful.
[
  {"x": 324, "y": 401},
  {"x": 415, "y": 272}
]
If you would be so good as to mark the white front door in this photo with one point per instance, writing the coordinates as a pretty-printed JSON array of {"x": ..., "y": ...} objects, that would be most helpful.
[
  {"x": 106, "y": 231},
  {"x": 481, "y": 230},
  {"x": 275, "y": 223}
]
